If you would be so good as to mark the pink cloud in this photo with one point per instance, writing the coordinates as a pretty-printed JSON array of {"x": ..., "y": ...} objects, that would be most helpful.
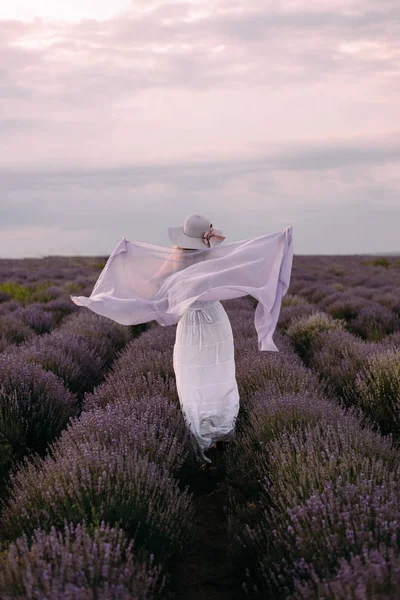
[{"x": 210, "y": 84}]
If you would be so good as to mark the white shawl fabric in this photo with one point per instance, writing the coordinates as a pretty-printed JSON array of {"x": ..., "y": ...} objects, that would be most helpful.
[{"x": 142, "y": 282}]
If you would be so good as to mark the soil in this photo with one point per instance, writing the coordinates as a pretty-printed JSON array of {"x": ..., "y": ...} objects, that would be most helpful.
[{"x": 204, "y": 570}]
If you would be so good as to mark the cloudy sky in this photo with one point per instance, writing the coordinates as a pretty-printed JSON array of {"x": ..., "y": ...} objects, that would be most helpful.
[{"x": 120, "y": 117}]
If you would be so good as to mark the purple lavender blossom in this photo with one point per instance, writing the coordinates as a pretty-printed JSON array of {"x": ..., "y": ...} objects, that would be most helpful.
[
  {"x": 37, "y": 318},
  {"x": 154, "y": 428},
  {"x": 40, "y": 405},
  {"x": 68, "y": 355},
  {"x": 78, "y": 563},
  {"x": 106, "y": 337},
  {"x": 100, "y": 483},
  {"x": 375, "y": 573}
]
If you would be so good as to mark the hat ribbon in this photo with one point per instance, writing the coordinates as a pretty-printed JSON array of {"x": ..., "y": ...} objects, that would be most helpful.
[{"x": 213, "y": 233}]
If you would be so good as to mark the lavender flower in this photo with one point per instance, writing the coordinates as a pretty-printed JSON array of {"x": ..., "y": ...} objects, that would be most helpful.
[
  {"x": 338, "y": 356},
  {"x": 100, "y": 483},
  {"x": 154, "y": 428},
  {"x": 374, "y": 322},
  {"x": 38, "y": 319},
  {"x": 373, "y": 574},
  {"x": 14, "y": 330},
  {"x": 40, "y": 404},
  {"x": 336, "y": 522},
  {"x": 76, "y": 563},
  {"x": 68, "y": 355},
  {"x": 106, "y": 337}
]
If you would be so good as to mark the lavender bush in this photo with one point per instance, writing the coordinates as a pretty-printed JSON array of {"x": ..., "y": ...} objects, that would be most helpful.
[
  {"x": 293, "y": 300},
  {"x": 390, "y": 299},
  {"x": 313, "y": 488},
  {"x": 244, "y": 302},
  {"x": 292, "y": 448},
  {"x": 374, "y": 322},
  {"x": 106, "y": 337},
  {"x": 377, "y": 387},
  {"x": 255, "y": 369},
  {"x": 391, "y": 340},
  {"x": 338, "y": 356},
  {"x": 153, "y": 428},
  {"x": 373, "y": 574},
  {"x": 36, "y": 401},
  {"x": 313, "y": 293},
  {"x": 337, "y": 522},
  {"x": 344, "y": 306},
  {"x": 297, "y": 441},
  {"x": 68, "y": 355},
  {"x": 291, "y": 312},
  {"x": 144, "y": 369},
  {"x": 100, "y": 483},
  {"x": 12, "y": 430},
  {"x": 6, "y": 308},
  {"x": 303, "y": 331},
  {"x": 3, "y": 343},
  {"x": 60, "y": 308},
  {"x": 13, "y": 330},
  {"x": 150, "y": 353},
  {"x": 54, "y": 291},
  {"x": 78, "y": 564},
  {"x": 301, "y": 461},
  {"x": 363, "y": 291},
  {"x": 38, "y": 319},
  {"x": 142, "y": 387}
]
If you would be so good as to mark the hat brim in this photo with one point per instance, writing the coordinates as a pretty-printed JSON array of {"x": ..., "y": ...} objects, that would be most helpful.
[{"x": 179, "y": 238}]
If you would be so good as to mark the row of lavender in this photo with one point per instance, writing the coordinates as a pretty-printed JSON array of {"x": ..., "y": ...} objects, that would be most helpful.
[
  {"x": 34, "y": 294},
  {"x": 362, "y": 373},
  {"x": 363, "y": 291},
  {"x": 351, "y": 338},
  {"x": 51, "y": 353},
  {"x": 44, "y": 378},
  {"x": 314, "y": 509},
  {"x": 104, "y": 513},
  {"x": 346, "y": 327}
]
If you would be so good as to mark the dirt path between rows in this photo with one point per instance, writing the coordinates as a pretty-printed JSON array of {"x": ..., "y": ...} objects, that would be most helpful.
[{"x": 204, "y": 571}]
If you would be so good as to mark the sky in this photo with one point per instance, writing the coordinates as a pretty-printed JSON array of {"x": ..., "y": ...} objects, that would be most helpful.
[{"x": 119, "y": 118}]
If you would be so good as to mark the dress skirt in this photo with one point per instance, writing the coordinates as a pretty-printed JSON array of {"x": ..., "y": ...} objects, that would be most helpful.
[{"x": 204, "y": 366}]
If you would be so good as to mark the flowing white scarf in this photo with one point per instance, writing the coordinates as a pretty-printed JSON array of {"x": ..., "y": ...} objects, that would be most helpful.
[{"x": 142, "y": 282}]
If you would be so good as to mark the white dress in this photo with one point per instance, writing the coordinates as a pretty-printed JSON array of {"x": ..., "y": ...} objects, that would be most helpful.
[{"x": 204, "y": 366}]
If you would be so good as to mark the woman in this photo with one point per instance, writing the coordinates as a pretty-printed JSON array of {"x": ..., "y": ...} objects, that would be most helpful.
[
  {"x": 203, "y": 355},
  {"x": 184, "y": 285}
]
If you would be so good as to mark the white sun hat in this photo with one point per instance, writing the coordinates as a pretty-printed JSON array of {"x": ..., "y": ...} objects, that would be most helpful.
[{"x": 196, "y": 232}]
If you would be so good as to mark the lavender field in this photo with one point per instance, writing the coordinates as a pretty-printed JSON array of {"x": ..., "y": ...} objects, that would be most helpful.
[{"x": 101, "y": 495}]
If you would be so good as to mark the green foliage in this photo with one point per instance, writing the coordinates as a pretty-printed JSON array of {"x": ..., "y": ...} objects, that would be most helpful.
[
  {"x": 99, "y": 265},
  {"x": 293, "y": 300},
  {"x": 73, "y": 288},
  {"x": 380, "y": 261},
  {"x": 377, "y": 388},
  {"x": 16, "y": 291},
  {"x": 26, "y": 294},
  {"x": 303, "y": 331}
]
